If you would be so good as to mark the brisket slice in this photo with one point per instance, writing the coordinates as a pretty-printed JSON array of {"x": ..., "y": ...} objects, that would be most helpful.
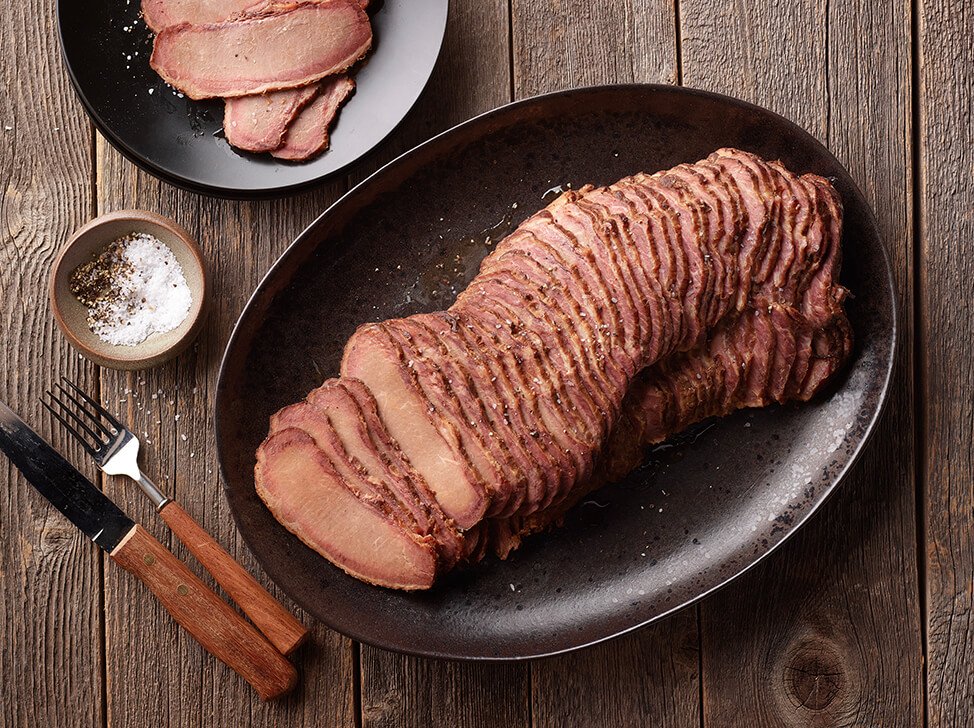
[
  {"x": 307, "y": 496},
  {"x": 159, "y": 14},
  {"x": 258, "y": 123},
  {"x": 307, "y": 135},
  {"x": 407, "y": 482},
  {"x": 428, "y": 438},
  {"x": 283, "y": 46}
]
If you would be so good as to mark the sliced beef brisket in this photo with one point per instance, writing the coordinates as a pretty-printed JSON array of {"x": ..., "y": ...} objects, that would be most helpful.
[{"x": 611, "y": 319}]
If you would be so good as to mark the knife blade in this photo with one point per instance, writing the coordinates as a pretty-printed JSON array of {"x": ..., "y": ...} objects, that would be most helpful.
[
  {"x": 60, "y": 482},
  {"x": 213, "y": 622}
]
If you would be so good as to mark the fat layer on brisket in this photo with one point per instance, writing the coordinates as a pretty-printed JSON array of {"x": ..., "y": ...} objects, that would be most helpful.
[{"x": 611, "y": 319}]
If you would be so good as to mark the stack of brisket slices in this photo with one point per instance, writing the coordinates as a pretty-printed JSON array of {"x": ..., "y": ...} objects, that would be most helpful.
[
  {"x": 610, "y": 320},
  {"x": 280, "y": 66}
]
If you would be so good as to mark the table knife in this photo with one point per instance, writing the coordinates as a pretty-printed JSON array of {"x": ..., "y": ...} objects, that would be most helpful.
[{"x": 214, "y": 624}]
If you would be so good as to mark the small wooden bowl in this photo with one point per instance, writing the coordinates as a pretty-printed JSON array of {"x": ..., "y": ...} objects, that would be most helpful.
[{"x": 71, "y": 315}]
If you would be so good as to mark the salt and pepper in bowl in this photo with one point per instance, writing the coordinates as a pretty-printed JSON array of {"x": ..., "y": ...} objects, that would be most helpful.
[{"x": 129, "y": 289}]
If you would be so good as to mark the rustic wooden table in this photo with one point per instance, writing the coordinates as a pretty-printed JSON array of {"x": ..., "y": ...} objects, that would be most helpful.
[{"x": 863, "y": 619}]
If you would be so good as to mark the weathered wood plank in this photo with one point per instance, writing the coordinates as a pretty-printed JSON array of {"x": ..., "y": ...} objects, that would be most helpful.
[
  {"x": 827, "y": 631},
  {"x": 171, "y": 408},
  {"x": 472, "y": 76},
  {"x": 401, "y": 692},
  {"x": 649, "y": 678},
  {"x": 561, "y": 44},
  {"x": 946, "y": 290},
  {"x": 50, "y": 618}
]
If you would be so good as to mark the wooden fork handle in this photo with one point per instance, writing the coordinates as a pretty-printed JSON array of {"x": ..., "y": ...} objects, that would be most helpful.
[
  {"x": 284, "y": 631},
  {"x": 212, "y": 621}
]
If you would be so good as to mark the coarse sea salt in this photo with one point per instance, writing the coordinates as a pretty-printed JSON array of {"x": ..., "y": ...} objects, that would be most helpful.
[{"x": 134, "y": 289}]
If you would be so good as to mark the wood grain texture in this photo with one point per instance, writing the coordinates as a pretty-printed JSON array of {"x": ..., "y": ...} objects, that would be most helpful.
[
  {"x": 271, "y": 617},
  {"x": 402, "y": 692},
  {"x": 559, "y": 44},
  {"x": 649, "y": 678},
  {"x": 50, "y": 616},
  {"x": 170, "y": 407},
  {"x": 826, "y": 632},
  {"x": 946, "y": 286},
  {"x": 197, "y": 609},
  {"x": 472, "y": 76}
]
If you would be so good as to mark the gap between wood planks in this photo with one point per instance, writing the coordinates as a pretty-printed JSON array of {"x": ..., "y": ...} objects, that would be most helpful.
[{"x": 919, "y": 336}]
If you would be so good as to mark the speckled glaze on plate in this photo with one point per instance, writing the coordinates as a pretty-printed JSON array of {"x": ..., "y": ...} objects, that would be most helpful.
[
  {"x": 702, "y": 509},
  {"x": 106, "y": 48}
]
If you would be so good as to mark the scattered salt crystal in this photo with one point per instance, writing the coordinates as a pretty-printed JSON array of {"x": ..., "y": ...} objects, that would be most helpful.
[
  {"x": 183, "y": 438},
  {"x": 151, "y": 91}
]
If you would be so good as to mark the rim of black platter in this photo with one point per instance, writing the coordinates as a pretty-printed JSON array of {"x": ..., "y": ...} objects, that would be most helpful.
[{"x": 106, "y": 48}]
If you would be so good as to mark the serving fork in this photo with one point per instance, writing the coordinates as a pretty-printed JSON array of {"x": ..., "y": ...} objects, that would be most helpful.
[{"x": 115, "y": 450}]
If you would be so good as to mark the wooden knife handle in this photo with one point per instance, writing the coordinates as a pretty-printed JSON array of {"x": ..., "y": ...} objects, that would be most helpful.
[
  {"x": 212, "y": 621},
  {"x": 284, "y": 631}
]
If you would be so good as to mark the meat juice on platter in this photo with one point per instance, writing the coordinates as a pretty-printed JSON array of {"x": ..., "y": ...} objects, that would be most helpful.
[
  {"x": 607, "y": 322},
  {"x": 282, "y": 68}
]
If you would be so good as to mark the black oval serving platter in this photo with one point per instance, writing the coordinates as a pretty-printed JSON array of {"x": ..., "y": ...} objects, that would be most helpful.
[
  {"x": 700, "y": 511},
  {"x": 106, "y": 48}
]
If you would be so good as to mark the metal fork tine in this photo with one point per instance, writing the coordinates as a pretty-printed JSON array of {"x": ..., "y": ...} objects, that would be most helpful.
[
  {"x": 98, "y": 408},
  {"x": 92, "y": 416},
  {"x": 77, "y": 435},
  {"x": 98, "y": 438}
]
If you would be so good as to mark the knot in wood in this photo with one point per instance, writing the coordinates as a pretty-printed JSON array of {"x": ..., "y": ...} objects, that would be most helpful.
[
  {"x": 56, "y": 537},
  {"x": 814, "y": 675}
]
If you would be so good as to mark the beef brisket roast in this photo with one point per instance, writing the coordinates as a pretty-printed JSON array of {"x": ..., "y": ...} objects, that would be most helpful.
[{"x": 612, "y": 319}]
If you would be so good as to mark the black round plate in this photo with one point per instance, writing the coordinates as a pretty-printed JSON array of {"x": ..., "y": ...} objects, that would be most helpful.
[
  {"x": 107, "y": 46},
  {"x": 703, "y": 508}
]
